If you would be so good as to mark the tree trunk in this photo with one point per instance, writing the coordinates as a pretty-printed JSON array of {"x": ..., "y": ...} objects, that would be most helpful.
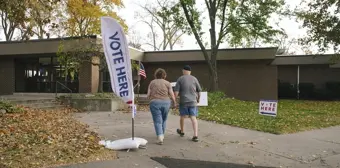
[
  {"x": 214, "y": 81},
  {"x": 171, "y": 44},
  {"x": 164, "y": 37},
  {"x": 66, "y": 73},
  {"x": 154, "y": 41}
]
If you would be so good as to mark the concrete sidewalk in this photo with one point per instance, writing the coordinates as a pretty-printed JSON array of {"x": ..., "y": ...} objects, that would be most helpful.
[{"x": 218, "y": 143}]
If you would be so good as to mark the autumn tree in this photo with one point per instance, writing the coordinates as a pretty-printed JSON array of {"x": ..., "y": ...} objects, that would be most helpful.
[
  {"x": 164, "y": 16},
  {"x": 41, "y": 20},
  {"x": 13, "y": 14},
  {"x": 42, "y": 17},
  {"x": 82, "y": 17},
  {"x": 229, "y": 20},
  {"x": 321, "y": 19},
  {"x": 29, "y": 17}
]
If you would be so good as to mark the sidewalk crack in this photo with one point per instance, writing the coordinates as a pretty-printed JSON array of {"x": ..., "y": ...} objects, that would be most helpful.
[
  {"x": 297, "y": 160},
  {"x": 332, "y": 142}
]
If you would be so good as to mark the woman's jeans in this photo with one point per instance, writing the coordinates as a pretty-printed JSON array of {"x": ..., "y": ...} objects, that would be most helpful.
[{"x": 159, "y": 110}]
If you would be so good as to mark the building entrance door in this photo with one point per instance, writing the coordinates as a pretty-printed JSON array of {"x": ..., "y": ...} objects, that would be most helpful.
[{"x": 39, "y": 75}]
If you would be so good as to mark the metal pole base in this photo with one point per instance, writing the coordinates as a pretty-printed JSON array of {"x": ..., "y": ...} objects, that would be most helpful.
[{"x": 133, "y": 128}]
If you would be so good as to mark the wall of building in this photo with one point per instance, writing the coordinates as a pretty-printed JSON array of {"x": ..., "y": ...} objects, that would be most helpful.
[
  {"x": 245, "y": 80},
  {"x": 20, "y": 82},
  {"x": 316, "y": 74},
  {"x": 249, "y": 80},
  {"x": 88, "y": 78},
  {"x": 7, "y": 73}
]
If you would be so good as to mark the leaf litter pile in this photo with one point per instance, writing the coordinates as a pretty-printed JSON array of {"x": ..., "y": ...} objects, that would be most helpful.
[{"x": 39, "y": 138}]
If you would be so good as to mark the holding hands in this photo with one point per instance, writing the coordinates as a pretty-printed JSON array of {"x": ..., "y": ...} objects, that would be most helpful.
[{"x": 174, "y": 105}]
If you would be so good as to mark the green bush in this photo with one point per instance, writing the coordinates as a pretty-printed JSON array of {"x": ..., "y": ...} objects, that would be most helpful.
[
  {"x": 286, "y": 90},
  {"x": 215, "y": 97},
  {"x": 306, "y": 90},
  {"x": 334, "y": 87},
  {"x": 324, "y": 94},
  {"x": 9, "y": 108}
]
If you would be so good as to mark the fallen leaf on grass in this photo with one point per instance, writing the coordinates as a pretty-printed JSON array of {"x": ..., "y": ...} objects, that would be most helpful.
[{"x": 293, "y": 115}]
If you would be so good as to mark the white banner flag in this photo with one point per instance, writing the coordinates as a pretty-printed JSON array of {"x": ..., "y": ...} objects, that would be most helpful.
[{"x": 118, "y": 59}]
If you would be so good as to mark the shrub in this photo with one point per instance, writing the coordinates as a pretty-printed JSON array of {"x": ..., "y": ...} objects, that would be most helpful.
[
  {"x": 215, "y": 97},
  {"x": 9, "y": 108},
  {"x": 334, "y": 87},
  {"x": 324, "y": 94},
  {"x": 306, "y": 90},
  {"x": 286, "y": 90}
]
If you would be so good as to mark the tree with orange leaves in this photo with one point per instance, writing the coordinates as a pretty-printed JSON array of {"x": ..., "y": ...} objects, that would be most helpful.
[{"x": 82, "y": 17}]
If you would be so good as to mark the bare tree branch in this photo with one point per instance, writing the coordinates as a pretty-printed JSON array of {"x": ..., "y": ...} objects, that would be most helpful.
[
  {"x": 223, "y": 30},
  {"x": 195, "y": 32},
  {"x": 157, "y": 49}
]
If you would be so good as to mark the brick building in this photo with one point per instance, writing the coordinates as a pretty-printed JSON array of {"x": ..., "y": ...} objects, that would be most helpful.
[{"x": 247, "y": 74}]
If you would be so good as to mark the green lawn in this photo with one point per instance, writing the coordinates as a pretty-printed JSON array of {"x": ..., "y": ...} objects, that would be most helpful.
[{"x": 293, "y": 115}]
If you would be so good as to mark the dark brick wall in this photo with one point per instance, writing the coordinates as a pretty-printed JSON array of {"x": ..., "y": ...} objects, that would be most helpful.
[
  {"x": 7, "y": 84},
  {"x": 95, "y": 78},
  {"x": 245, "y": 80},
  {"x": 88, "y": 78},
  {"x": 85, "y": 74}
]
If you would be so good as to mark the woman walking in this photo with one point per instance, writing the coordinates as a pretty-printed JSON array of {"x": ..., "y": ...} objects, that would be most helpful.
[{"x": 159, "y": 93}]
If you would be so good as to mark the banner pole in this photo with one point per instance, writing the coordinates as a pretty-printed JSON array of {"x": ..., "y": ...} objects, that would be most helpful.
[
  {"x": 138, "y": 89},
  {"x": 133, "y": 128},
  {"x": 116, "y": 50},
  {"x": 133, "y": 119},
  {"x": 134, "y": 107}
]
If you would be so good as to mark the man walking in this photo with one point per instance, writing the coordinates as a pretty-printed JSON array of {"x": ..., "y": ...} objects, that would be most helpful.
[{"x": 188, "y": 89}]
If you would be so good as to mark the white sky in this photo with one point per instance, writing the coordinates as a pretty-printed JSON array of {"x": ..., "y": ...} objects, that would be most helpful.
[{"x": 291, "y": 27}]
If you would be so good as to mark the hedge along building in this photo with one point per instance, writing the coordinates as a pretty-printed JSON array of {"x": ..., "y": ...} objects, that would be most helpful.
[{"x": 247, "y": 74}]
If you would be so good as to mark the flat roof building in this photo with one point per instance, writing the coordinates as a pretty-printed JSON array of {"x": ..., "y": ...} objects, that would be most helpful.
[{"x": 246, "y": 74}]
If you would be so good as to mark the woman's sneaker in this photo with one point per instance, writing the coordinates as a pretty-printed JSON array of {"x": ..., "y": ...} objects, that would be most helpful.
[
  {"x": 195, "y": 139},
  {"x": 160, "y": 140},
  {"x": 180, "y": 132}
]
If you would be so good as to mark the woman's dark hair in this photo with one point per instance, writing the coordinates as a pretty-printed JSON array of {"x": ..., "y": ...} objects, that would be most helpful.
[{"x": 160, "y": 73}]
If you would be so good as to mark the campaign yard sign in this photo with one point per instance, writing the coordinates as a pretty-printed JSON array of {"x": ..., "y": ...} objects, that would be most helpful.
[{"x": 268, "y": 107}]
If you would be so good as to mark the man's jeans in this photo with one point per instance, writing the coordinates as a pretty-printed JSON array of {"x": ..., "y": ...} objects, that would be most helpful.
[{"x": 159, "y": 110}]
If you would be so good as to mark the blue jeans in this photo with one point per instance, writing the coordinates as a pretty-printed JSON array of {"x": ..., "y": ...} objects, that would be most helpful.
[
  {"x": 159, "y": 110},
  {"x": 188, "y": 111}
]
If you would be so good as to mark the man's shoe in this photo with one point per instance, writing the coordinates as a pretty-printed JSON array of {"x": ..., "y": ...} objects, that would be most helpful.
[
  {"x": 195, "y": 139},
  {"x": 180, "y": 132}
]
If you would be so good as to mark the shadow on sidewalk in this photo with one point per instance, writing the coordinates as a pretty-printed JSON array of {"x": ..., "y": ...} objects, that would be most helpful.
[{"x": 184, "y": 163}]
